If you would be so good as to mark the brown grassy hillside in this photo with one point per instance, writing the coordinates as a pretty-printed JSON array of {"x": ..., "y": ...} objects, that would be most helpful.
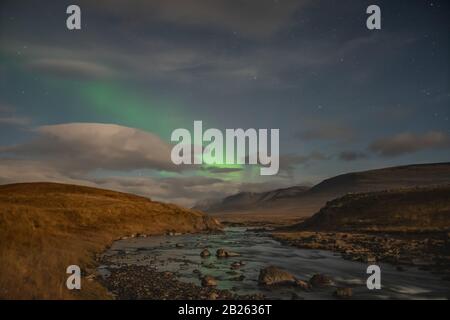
[
  {"x": 415, "y": 209},
  {"x": 45, "y": 227}
]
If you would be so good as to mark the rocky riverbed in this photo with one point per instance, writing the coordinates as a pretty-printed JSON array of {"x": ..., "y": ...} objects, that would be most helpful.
[
  {"x": 427, "y": 251},
  {"x": 144, "y": 282},
  {"x": 251, "y": 265}
]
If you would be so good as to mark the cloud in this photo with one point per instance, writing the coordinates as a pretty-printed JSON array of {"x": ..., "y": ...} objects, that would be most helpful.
[
  {"x": 326, "y": 131},
  {"x": 18, "y": 170},
  {"x": 245, "y": 17},
  {"x": 405, "y": 143},
  {"x": 85, "y": 153},
  {"x": 193, "y": 59},
  {"x": 5, "y": 108},
  {"x": 8, "y": 116},
  {"x": 290, "y": 161},
  {"x": 85, "y": 147},
  {"x": 182, "y": 190},
  {"x": 71, "y": 68},
  {"x": 15, "y": 121},
  {"x": 100, "y": 155},
  {"x": 221, "y": 170},
  {"x": 352, "y": 155}
]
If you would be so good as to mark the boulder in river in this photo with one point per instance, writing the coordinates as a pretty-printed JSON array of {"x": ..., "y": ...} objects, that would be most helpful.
[
  {"x": 205, "y": 253},
  {"x": 232, "y": 254},
  {"x": 321, "y": 281},
  {"x": 343, "y": 293},
  {"x": 303, "y": 284},
  {"x": 213, "y": 296},
  {"x": 208, "y": 281},
  {"x": 275, "y": 276},
  {"x": 222, "y": 253}
]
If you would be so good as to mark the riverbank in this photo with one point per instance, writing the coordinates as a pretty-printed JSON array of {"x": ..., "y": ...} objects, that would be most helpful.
[
  {"x": 145, "y": 283},
  {"x": 404, "y": 227},
  {"x": 427, "y": 251},
  {"x": 46, "y": 227}
]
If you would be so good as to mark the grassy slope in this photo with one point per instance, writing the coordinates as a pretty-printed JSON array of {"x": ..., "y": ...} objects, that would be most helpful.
[
  {"x": 45, "y": 227},
  {"x": 415, "y": 209}
]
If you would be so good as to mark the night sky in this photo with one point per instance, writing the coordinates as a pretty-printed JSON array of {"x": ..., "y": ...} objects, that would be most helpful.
[{"x": 97, "y": 106}]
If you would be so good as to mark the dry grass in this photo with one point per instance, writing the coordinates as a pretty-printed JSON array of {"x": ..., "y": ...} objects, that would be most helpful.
[
  {"x": 45, "y": 227},
  {"x": 403, "y": 210}
]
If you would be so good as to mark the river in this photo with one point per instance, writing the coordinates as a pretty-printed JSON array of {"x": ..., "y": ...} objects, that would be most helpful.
[{"x": 181, "y": 255}]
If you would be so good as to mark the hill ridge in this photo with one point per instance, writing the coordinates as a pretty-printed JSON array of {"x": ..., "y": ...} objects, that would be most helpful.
[{"x": 309, "y": 201}]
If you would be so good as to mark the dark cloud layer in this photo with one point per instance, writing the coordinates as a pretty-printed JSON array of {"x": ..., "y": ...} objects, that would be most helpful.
[
  {"x": 71, "y": 68},
  {"x": 241, "y": 16},
  {"x": 352, "y": 155},
  {"x": 289, "y": 162},
  {"x": 405, "y": 143},
  {"x": 326, "y": 133}
]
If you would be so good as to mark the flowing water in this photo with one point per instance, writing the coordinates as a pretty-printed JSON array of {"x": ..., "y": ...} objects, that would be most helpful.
[{"x": 181, "y": 255}]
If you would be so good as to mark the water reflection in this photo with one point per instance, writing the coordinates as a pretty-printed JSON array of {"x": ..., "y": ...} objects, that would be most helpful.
[{"x": 181, "y": 255}]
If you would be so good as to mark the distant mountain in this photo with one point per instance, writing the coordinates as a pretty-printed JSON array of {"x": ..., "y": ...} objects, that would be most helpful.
[
  {"x": 244, "y": 200},
  {"x": 303, "y": 202}
]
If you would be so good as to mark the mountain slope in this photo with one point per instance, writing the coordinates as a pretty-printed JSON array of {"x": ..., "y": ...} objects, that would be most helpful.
[
  {"x": 414, "y": 209},
  {"x": 45, "y": 227},
  {"x": 403, "y": 227},
  {"x": 244, "y": 200},
  {"x": 303, "y": 203}
]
